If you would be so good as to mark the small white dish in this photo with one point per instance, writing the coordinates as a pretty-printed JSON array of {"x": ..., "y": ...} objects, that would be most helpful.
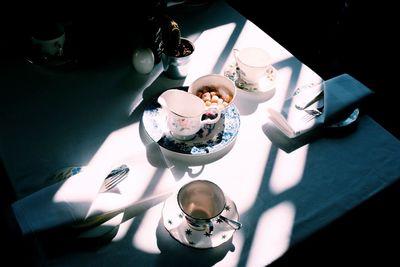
[
  {"x": 176, "y": 224},
  {"x": 209, "y": 140},
  {"x": 265, "y": 85}
]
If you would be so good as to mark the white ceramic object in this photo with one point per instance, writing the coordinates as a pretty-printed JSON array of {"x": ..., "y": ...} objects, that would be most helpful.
[
  {"x": 222, "y": 84},
  {"x": 201, "y": 201},
  {"x": 211, "y": 143},
  {"x": 143, "y": 60},
  {"x": 53, "y": 47},
  {"x": 185, "y": 113},
  {"x": 253, "y": 63},
  {"x": 178, "y": 227}
]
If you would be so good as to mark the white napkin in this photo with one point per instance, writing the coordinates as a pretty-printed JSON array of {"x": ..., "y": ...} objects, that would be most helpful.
[
  {"x": 342, "y": 94},
  {"x": 76, "y": 202},
  {"x": 67, "y": 202}
]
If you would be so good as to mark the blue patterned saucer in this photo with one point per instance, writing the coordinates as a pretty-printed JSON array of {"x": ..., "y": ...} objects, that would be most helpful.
[
  {"x": 210, "y": 139},
  {"x": 177, "y": 226}
]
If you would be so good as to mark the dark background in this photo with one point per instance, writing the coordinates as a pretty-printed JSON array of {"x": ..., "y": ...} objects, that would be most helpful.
[{"x": 339, "y": 36}]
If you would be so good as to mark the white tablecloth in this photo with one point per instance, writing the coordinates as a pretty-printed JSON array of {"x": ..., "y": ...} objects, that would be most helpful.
[{"x": 52, "y": 119}]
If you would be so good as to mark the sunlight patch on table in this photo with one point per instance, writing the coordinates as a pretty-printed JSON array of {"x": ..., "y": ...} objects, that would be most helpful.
[
  {"x": 272, "y": 234},
  {"x": 238, "y": 185},
  {"x": 208, "y": 51},
  {"x": 282, "y": 88},
  {"x": 288, "y": 170},
  {"x": 253, "y": 36},
  {"x": 232, "y": 258},
  {"x": 144, "y": 187},
  {"x": 123, "y": 230},
  {"x": 306, "y": 76},
  {"x": 145, "y": 238},
  {"x": 117, "y": 148}
]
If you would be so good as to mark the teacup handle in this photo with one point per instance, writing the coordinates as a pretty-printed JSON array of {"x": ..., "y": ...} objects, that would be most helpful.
[
  {"x": 210, "y": 227},
  {"x": 60, "y": 49},
  {"x": 232, "y": 223},
  {"x": 211, "y": 121},
  {"x": 235, "y": 51}
]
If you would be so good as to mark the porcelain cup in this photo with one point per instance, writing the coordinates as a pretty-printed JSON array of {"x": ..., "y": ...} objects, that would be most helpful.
[
  {"x": 215, "y": 90},
  {"x": 202, "y": 202},
  {"x": 186, "y": 113},
  {"x": 49, "y": 40},
  {"x": 253, "y": 63}
]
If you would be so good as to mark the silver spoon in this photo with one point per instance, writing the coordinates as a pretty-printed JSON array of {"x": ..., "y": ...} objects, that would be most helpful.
[
  {"x": 302, "y": 105},
  {"x": 234, "y": 224}
]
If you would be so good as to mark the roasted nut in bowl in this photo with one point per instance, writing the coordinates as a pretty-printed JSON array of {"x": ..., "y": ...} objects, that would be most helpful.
[{"x": 214, "y": 90}]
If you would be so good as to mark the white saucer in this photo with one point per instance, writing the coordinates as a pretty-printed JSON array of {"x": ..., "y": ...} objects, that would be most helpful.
[
  {"x": 210, "y": 139},
  {"x": 175, "y": 223},
  {"x": 266, "y": 84}
]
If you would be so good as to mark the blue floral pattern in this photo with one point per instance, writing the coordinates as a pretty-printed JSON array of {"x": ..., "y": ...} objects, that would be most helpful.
[{"x": 211, "y": 138}]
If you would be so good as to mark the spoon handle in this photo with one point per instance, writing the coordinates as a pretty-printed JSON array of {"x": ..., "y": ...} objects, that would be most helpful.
[
  {"x": 305, "y": 103},
  {"x": 232, "y": 223}
]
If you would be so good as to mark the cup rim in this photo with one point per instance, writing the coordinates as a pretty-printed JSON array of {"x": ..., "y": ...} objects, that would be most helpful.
[
  {"x": 252, "y": 66},
  {"x": 232, "y": 85},
  {"x": 49, "y": 40},
  {"x": 201, "y": 181},
  {"x": 195, "y": 98}
]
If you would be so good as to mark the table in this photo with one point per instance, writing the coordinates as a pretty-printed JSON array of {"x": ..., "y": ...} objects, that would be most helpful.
[{"x": 53, "y": 119}]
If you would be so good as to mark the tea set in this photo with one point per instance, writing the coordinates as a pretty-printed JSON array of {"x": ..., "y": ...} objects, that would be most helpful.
[
  {"x": 195, "y": 116},
  {"x": 200, "y": 215},
  {"x": 200, "y": 120}
]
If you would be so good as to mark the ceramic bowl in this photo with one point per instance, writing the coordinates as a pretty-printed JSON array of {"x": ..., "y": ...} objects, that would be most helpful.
[{"x": 214, "y": 89}]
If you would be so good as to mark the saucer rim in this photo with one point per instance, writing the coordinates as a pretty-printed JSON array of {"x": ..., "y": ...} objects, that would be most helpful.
[
  {"x": 347, "y": 121},
  {"x": 231, "y": 108},
  {"x": 233, "y": 67},
  {"x": 230, "y": 231}
]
